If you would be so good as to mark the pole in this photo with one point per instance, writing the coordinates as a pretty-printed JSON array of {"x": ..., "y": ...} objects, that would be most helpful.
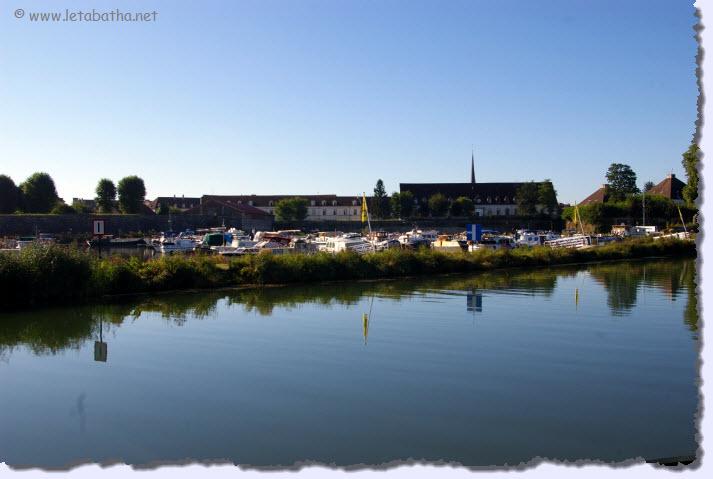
[{"x": 643, "y": 208}]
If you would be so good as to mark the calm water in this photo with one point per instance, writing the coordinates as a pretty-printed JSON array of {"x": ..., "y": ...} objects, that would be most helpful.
[{"x": 483, "y": 370}]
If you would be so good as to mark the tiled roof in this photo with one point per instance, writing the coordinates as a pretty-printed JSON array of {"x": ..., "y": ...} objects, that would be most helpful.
[
  {"x": 270, "y": 200},
  {"x": 599, "y": 196},
  {"x": 671, "y": 188},
  {"x": 499, "y": 193}
]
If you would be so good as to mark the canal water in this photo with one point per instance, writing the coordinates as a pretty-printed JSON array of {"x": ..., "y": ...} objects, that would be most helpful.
[{"x": 596, "y": 362}]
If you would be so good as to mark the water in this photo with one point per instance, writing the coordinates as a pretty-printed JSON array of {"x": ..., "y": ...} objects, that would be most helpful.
[{"x": 568, "y": 363}]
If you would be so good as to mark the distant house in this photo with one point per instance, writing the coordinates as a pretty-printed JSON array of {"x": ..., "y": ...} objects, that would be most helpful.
[
  {"x": 599, "y": 196},
  {"x": 671, "y": 188},
  {"x": 181, "y": 203},
  {"x": 91, "y": 205},
  {"x": 319, "y": 207}
]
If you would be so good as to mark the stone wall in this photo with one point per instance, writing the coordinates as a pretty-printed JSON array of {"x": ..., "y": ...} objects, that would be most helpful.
[{"x": 81, "y": 224}]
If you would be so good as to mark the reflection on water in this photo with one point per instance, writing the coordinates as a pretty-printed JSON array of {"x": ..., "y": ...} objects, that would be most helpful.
[{"x": 575, "y": 362}]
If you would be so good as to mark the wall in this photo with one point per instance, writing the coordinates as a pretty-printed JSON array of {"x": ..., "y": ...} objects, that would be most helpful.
[{"x": 14, "y": 225}]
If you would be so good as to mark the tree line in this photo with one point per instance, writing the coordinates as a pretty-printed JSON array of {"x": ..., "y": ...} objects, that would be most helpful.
[
  {"x": 38, "y": 194},
  {"x": 624, "y": 200}
]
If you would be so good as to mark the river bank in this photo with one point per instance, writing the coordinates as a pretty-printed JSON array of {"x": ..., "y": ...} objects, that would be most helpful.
[{"x": 55, "y": 275}]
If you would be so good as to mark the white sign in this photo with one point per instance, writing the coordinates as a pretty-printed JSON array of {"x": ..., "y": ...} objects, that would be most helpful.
[{"x": 98, "y": 227}]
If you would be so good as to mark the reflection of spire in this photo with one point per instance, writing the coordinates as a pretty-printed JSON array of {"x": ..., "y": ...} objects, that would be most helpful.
[
  {"x": 365, "y": 321},
  {"x": 576, "y": 298}
]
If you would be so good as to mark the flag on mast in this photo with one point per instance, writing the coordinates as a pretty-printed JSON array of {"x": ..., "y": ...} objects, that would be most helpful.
[{"x": 364, "y": 211}]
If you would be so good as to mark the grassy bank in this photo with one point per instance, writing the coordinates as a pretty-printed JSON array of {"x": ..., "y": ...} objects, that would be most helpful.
[{"x": 55, "y": 275}]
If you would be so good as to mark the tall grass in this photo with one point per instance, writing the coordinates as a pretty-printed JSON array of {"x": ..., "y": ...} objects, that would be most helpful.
[{"x": 53, "y": 274}]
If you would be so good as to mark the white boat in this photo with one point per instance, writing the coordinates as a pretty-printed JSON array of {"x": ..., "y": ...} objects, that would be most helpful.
[
  {"x": 172, "y": 244},
  {"x": 358, "y": 244},
  {"x": 574, "y": 241},
  {"x": 416, "y": 238},
  {"x": 532, "y": 238},
  {"x": 492, "y": 242}
]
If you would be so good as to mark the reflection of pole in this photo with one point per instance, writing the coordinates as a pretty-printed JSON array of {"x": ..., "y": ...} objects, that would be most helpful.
[
  {"x": 365, "y": 321},
  {"x": 576, "y": 298}
]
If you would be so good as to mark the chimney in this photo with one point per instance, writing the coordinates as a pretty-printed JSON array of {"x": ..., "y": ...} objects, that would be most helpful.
[{"x": 671, "y": 176}]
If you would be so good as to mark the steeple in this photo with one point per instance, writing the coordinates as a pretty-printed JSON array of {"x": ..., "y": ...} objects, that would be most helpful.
[{"x": 472, "y": 166}]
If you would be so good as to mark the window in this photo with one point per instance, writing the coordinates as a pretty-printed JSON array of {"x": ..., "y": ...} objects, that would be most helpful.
[
  {"x": 507, "y": 211},
  {"x": 269, "y": 203},
  {"x": 334, "y": 203},
  {"x": 334, "y": 212},
  {"x": 240, "y": 202},
  {"x": 490, "y": 200},
  {"x": 354, "y": 213},
  {"x": 312, "y": 202},
  {"x": 324, "y": 203},
  {"x": 505, "y": 200},
  {"x": 353, "y": 202},
  {"x": 324, "y": 212},
  {"x": 250, "y": 202},
  {"x": 497, "y": 212}
]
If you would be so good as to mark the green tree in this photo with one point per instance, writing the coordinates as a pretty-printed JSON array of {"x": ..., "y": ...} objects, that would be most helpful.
[
  {"x": 690, "y": 164},
  {"x": 395, "y": 204},
  {"x": 80, "y": 207},
  {"x": 621, "y": 180},
  {"x": 9, "y": 195},
  {"x": 39, "y": 194},
  {"x": 106, "y": 195},
  {"x": 462, "y": 206},
  {"x": 379, "y": 205},
  {"x": 405, "y": 202},
  {"x": 291, "y": 209},
  {"x": 62, "y": 208},
  {"x": 162, "y": 209},
  {"x": 648, "y": 185},
  {"x": 131, "y": 194},
  {"x": 547, "y": 196},
  {"x": 526, "y": 198},
  {"x": 438, "y": 205}
]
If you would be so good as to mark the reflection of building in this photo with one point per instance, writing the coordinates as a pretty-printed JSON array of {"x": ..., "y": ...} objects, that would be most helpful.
[
  {"x": 474, "y": 302},
  {"x": 490, "y": 199}
]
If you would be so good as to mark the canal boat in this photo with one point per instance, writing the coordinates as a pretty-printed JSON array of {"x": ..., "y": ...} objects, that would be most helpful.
[
  {"x": 449, "y": 243},
  {"x": 171, "y": 243}
]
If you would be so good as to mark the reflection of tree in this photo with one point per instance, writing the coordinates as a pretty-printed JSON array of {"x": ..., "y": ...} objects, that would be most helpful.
[{"x": 49, "y": 331}]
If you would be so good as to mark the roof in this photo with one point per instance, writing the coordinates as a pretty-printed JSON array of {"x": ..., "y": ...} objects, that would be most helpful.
[
  {"x": 500, "y": 193},
  {"x": 599, "y": 196},
  {"x": 671, "y": 188},
  {"x": 215, "y": 203},
  {"x": 271, "y": 200}
]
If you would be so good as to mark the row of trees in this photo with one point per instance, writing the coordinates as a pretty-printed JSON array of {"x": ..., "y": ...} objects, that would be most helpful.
[{"x": 38, "y": 194}]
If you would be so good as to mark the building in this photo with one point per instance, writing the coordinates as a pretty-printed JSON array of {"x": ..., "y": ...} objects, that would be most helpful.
[
  {"x": 319, "y": 207},
  {"x": 181, "y": 203},
  {"x": 490, "y": 199},
  {"x": 249, "y": 216},
  {"x": 671, "y": 188}
]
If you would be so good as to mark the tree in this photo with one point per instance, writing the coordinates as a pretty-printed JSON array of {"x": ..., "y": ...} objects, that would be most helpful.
[
  {"x": 62, "y": 208},
  {"x": 690, "y": 164},
  {"x": 39, "y": 193},
  {"x": 80, "y": 207},
  {"x": 462, "y": 206},
  {"x": 547, "y": 196},
  {"x": 162, "y": 209},
  {"x": 438, "y": 205},
  {"x": 621, "y": 180},
  {"x": 526, "y": 198},
  {"x": 380, "y": 202},
  {"x": 9, "y": 195},
  {"x": 648, "y": 185},
  {"x": 106, "y": 195},
  {"x": 131, "y": 194},
  {"x": 402, "y": 204},
  {"x": 291, "y": 209}
]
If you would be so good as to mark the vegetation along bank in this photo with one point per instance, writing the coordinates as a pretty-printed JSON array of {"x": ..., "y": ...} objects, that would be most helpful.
[{"x": 57, "y": 275}]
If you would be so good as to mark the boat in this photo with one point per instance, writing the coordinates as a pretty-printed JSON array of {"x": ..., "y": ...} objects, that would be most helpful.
[
  {"x": 358, "y": 244},
  {"x": 449, "y": 243},
  {"x": 172, "y": 244},
  {"x": 494, "y": 242},
  {"x": 533, "y": 238},
  {"x": 574, "y": 241},
  {"x": 111, "y": 242},
  {"x": 416, "y": 238}
]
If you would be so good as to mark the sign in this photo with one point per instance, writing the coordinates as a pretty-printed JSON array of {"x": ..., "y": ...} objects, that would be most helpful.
[
  {"x": 474, "y": 302},
  {"x": 98, "y": 227},
  {"x": 100, "y": 351},
  {"x": 474, "y": 232}
]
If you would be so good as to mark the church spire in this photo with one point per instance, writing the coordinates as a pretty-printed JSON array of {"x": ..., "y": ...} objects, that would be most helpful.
[{"x": 472, "y": 166}]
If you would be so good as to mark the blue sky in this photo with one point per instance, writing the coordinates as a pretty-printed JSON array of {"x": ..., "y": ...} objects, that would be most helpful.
[{"x": 326, "y": 96}]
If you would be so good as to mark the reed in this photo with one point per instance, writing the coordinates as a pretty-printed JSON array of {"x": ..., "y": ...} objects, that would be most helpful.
[{"x": 56, "y": 275}]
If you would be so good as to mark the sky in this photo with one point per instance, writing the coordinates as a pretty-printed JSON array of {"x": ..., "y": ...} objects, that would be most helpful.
[{"x": 327, "y": 96}]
